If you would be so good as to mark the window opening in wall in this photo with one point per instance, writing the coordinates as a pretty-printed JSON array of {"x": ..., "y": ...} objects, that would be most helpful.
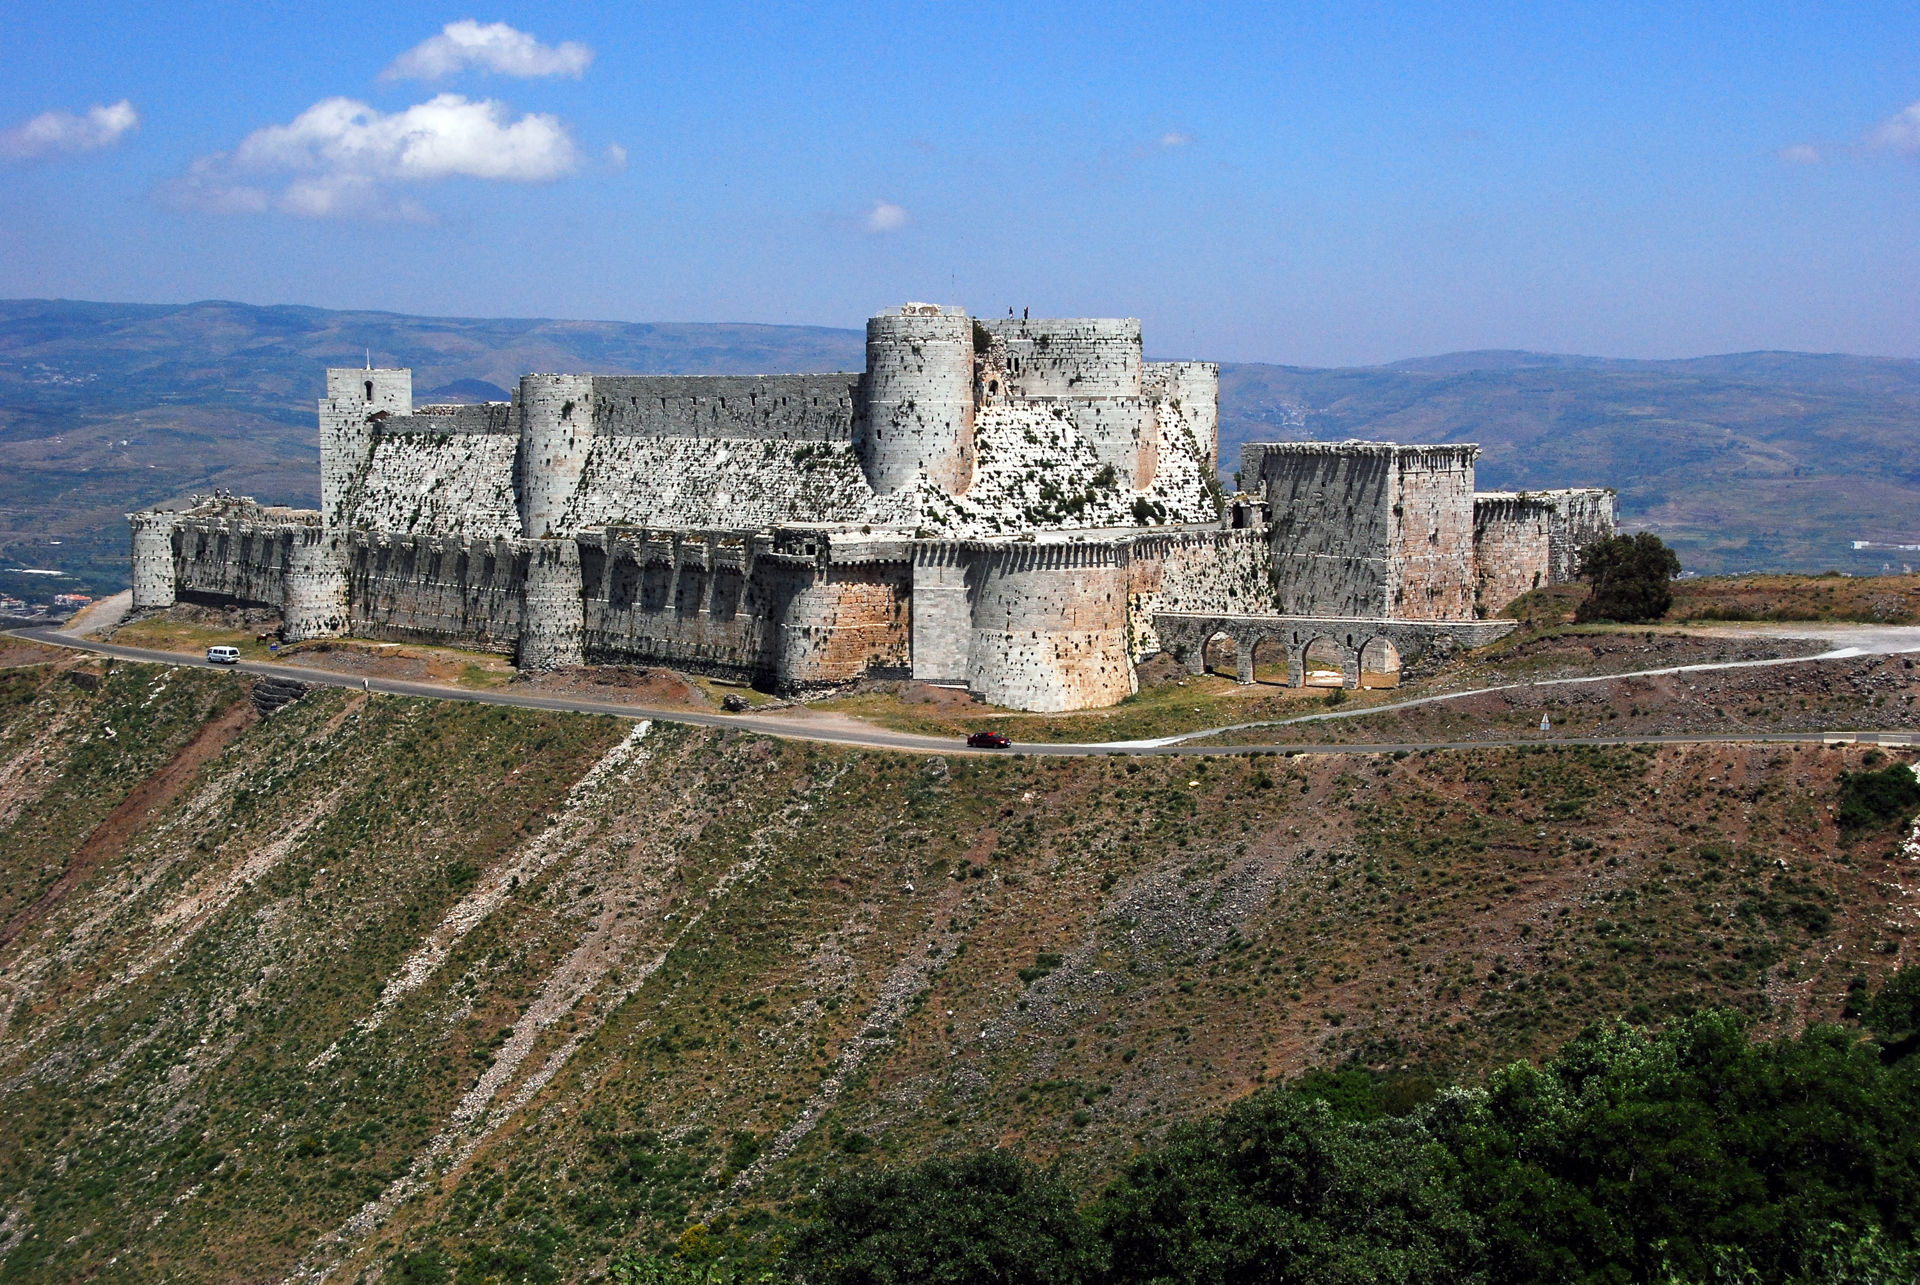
[{"x": 369, "y": 390}]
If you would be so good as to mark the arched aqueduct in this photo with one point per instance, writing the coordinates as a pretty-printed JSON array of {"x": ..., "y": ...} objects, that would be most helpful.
[{"x": 1186, "y": 637}]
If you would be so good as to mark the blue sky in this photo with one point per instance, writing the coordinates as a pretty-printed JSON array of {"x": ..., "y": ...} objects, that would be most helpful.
[{"x": 1312, "y": 184}]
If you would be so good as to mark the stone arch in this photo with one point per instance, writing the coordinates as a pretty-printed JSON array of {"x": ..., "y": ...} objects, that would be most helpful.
[
  {"x": 623, "y": 584},
  {"x": 689, "y": 591},
  {"x": 1379, "y": 663},
  {"x": 1270, "y": 659},
  {"x": 1220, "y": 652},
  {"x": 1323, "y": 662},
  {"x": 728, "y": 587}
]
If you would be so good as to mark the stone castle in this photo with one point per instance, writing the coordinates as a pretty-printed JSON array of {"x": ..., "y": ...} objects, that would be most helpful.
[{"x": 1025, "y": 507}]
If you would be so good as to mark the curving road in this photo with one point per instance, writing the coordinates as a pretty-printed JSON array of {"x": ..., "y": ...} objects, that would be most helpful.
[{"x": 1881, "y": 642}]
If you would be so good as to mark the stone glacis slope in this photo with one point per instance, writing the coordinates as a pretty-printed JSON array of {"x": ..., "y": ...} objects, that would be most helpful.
[{"x": 373, "y": 973}]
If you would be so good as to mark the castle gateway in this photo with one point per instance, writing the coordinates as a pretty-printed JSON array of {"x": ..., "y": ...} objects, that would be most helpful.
[{"x": 1022, "y": 506}]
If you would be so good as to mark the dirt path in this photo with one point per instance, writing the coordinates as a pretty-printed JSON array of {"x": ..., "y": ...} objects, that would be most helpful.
[{"x": 132, "y": 812}]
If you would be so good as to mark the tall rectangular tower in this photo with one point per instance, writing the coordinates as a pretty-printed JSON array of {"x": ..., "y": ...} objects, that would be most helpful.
[
  {"x": 1368, "y": 529},
  {"x": 347, "y": 417}
]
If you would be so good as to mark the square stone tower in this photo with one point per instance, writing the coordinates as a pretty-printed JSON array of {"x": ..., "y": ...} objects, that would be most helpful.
[
  {"x": 354, "y": 397},
  {"x": 1368, "y": 529}
]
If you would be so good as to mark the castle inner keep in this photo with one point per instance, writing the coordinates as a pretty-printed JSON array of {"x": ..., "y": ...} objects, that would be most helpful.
[{"x": 1025, "y": 507}]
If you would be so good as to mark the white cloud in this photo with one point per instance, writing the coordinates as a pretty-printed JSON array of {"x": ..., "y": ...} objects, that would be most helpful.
[
  {"x": 341, "y": 157},
  {"x": 1899, "y": 133},
  {"x": 1174, "y": 138},
  {"x": 493, "y": 46},
  {"x": 1800, "y": 154},
  {"x": 54, "y": 132},
  {"x": 616, "y": 156},
  {"x": 887, "y": 217}
]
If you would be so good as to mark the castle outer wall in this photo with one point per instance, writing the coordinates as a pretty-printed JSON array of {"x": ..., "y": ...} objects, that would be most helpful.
[{"x": 1012, "y": 505}]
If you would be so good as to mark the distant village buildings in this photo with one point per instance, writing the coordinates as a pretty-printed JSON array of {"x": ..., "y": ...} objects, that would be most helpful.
[{"x": 1025, "y": 507}]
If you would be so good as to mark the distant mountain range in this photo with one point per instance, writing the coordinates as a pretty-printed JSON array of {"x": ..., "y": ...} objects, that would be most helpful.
[{"x": 1749, "y": 461}]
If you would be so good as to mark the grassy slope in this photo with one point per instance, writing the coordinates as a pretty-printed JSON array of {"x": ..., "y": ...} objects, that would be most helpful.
[
  {"x": 1890, "y": 600},
  {"x": 720, "y": 936}
]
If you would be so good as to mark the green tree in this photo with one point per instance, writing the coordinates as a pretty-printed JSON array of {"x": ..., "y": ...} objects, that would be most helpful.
[
  {"x": 1893, "y": 1015},
  {"x": 1281, "y": 1188},
  {"x": 1869, "y": 799},
  {"x": 986, "y": 1219},
  {"x": 1629, "y": 576},
  {"x": 1633, "y": 1157}
]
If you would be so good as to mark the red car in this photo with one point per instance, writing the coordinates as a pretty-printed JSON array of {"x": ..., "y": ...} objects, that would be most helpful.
[{"x": 988, "y": 741}]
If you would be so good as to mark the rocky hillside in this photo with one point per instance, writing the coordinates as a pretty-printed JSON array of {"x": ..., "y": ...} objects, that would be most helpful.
[{"x": 372, "y": 977}]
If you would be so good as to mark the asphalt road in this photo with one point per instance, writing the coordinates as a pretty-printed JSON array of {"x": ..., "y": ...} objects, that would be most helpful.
[
  {"x": 882, "y": 739},
  {"x": 1851, "y": 641}
]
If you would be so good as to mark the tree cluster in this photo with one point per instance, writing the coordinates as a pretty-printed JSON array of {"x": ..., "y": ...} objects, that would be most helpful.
[
  {"x": 1628, "y": 576},
  {"x": 1693, "y": 1155}
]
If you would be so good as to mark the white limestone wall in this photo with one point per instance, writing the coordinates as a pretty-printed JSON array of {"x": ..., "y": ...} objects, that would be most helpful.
[
  {"x": 1194, "y": 389},
  {"x": 797, "y": 408},
  {"x": 1070, "y": 357},
  {"x": 1512, "y": 545},
  {"x": 919, "y": 399},
  {"x": 467, "y": 593},
  {"x": 1036, "y": 471},
  {"x": 836, "y": 623},
  {"x": 717, "y": 482},
  {"x": 1369, "y": 529},
  {"x": 153, "y": 582},
  {"x": 457, "y": 484},
  {"x": 1430, "y": 548},
  {"x": 556, "y": 438},
  {"x": 1049, "y": 625},
  {"x": 942, "y": 619},
  {"x": 1123, "y": 432},
  {"x": 1184, "y": 483},
  {"x": 1198, "y": 572},
  {"x": 1581, "y": 516},
  {"x": 232, "y": 559}
]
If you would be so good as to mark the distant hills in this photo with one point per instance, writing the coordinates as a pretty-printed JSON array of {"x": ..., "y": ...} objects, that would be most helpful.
[{"x": 1748, "y": 461}]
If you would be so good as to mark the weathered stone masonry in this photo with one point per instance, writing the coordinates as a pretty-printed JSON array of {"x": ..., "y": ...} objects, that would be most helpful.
[{"x": 1023, "y": 506}]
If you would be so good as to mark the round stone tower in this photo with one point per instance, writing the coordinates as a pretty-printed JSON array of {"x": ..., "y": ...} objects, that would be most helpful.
[
  {"x": 153, "y": 582},
  {"x": 919, "y": 398},
  {"x": 556, "y": 432},
  {"x": 315, "y": 605}
]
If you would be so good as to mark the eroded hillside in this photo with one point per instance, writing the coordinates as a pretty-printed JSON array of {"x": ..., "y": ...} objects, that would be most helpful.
[{"x": 371, "y": 975}]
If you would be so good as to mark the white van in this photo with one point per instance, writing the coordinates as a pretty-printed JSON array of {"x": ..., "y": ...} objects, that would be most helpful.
[{"x": 223, "y": 655}]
